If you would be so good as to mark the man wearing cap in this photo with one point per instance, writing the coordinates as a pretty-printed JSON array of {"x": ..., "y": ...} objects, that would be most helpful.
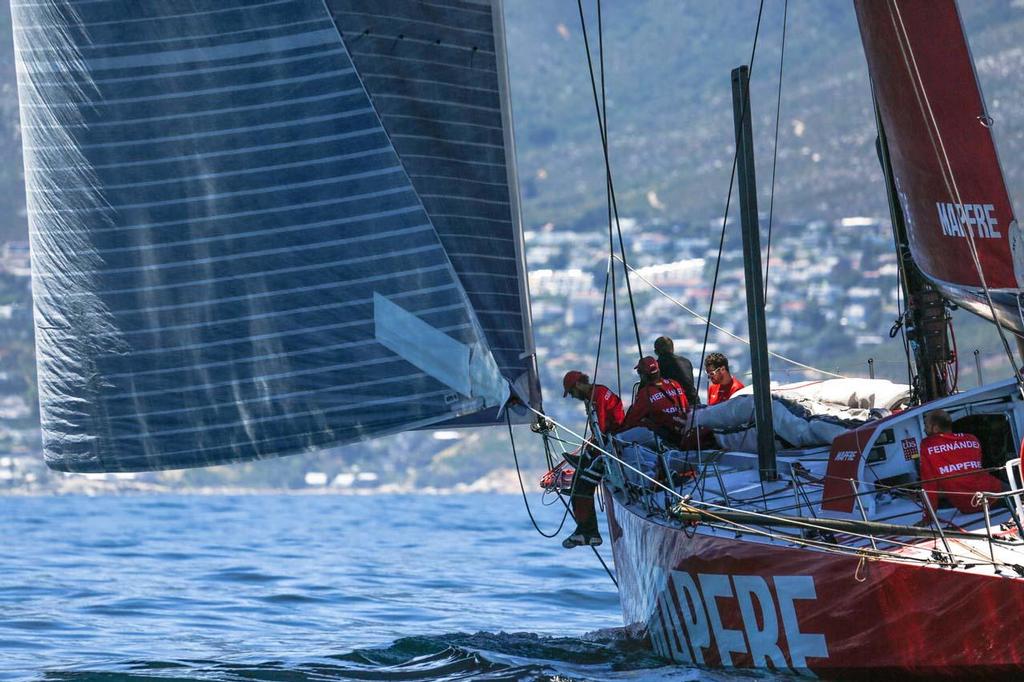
[
  {"x": 607, "y": 406},
  {"x": 607, "y": 410},
  {"x": 659, "y": 408}
]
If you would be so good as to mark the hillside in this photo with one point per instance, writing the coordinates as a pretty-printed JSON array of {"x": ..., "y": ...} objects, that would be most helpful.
[
  {"x": 670, "y": 120},
  {"x": 669, "y": 106},
  {"x": 670, "y": 111}
]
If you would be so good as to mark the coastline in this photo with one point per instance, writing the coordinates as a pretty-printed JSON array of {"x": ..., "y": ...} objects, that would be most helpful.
[{"x": 496, "y": 482}]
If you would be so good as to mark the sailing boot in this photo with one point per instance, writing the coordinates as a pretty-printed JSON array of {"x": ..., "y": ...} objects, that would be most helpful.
[{"x": 586, "y": 532}]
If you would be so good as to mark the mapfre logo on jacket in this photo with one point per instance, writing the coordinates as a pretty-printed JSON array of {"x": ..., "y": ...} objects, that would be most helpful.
[
  {"x": 951, "y": 467},
  {"x": 959, "y": 466}
]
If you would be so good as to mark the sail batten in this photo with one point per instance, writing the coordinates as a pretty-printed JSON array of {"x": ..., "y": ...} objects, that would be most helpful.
[{"x": 218, "y": 206}]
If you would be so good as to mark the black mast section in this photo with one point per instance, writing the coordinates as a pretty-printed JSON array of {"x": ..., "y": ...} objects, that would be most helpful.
[
  {"x": 752, "y": 271},
  {"x": 927, "y": 317}
]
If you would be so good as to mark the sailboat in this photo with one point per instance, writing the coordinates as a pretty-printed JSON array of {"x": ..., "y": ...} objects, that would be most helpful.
[
  {"x": 830, "y": 559},
  {"x": 261, "y": 228}
]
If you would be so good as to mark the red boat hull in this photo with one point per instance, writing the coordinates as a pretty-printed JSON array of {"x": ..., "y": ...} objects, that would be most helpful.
[{"x": 728, "y": 602}]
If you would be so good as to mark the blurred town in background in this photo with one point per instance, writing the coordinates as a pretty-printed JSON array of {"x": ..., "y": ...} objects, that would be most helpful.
[{"x": 832, "y": 283}]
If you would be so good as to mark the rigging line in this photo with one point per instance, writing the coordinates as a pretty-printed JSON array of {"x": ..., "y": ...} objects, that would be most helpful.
[
  {"x": 709, "y": 507},
  {"x": 608, "y": 172},
  {"x": 725, "y": 217},
  {"x": 726, "y": 331},
  {"x": 775, "y": 153},
  {"x": 902, "y": 278},
  {"x": 807, "y": 524},
  {"x": 608, "y": 201},
  {"x": 948, "y": 176},
  {"x": 526, "y": 502},
  {"x": 899, "y": 312},
  {"x": 600, "y": 337},
  {"x": 614, "y": 297},
  {"x": 600, "y": 558},
  {"x": 568, "y": 509},
  {"x": 714, "y": 279},
  {"x": 605, "y": 566}
]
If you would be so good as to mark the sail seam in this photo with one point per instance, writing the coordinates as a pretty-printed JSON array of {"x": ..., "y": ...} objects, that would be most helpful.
[
  {"x": 206, "y": 156},
  {"x": 251, "y": 170},
  {"x": 220, "y": 132},
  {"x": 192, "y": 115},
  {"x": 122, "y": 22},
  {"x": 186, "y": 94}
]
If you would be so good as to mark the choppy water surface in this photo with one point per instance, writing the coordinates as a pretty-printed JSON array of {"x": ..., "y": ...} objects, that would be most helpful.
[{"x": 304, "y": 588}]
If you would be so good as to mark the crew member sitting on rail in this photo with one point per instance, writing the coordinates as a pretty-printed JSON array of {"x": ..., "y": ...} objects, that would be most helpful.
[
  {"x": 676, "y": 367},
  {"x": 951, "y": 464},
  {"x": 607, "y": 410},
  {"x": 723, "y": 384},
  {"x": 659, "y": 408}
]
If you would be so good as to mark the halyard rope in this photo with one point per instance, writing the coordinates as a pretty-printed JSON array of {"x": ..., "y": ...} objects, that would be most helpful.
[
  {"x": 568, "y": 509},
  {"x": 726, "y": 331}
]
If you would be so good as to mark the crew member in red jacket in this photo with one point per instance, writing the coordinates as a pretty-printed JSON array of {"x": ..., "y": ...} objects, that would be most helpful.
[
  {"x": 602, "y": 400},
  {"x": 659, "y": 407},
  {"x": 723, "y": 384},
  {"x": 951, "y": 464},
  {"x": 607, "y": 410}
]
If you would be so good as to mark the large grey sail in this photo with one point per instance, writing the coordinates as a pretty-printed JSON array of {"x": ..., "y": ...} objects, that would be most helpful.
[
  {"x": 230, "y": 257},
  {"x": 435, "y": 71}
]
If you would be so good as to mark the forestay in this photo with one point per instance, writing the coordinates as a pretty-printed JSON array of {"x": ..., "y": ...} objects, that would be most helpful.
[{"x": 253, "y": 234}]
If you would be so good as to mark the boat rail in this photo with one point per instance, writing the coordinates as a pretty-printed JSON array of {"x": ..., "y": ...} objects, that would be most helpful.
[
  {"x": 690, "y": 509},
  {"x": 884, "y": 540}
]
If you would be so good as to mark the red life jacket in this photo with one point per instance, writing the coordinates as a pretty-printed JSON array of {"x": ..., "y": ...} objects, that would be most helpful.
[
  {"x": 661, "y": 407},
  {"x": 607, "y": 409},
  {"x": 718, "y": 393},
  {"x": 955, "y": 460}
]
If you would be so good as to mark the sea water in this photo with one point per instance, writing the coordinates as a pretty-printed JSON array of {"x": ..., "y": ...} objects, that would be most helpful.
[{"x": 306, "y": 587}]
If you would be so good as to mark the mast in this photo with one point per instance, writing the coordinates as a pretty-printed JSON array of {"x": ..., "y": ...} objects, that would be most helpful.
[
  {"x": 927, "y": 316},
  {"x": 752, "y": 271}
]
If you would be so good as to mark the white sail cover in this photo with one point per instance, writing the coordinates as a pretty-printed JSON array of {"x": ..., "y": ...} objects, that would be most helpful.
[
  {"x": 804, "y": 414},
  {"x": 265, "y": 226}
]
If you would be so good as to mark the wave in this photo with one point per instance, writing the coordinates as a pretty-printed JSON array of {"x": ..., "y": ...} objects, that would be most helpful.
[{"x": 606, "y": 654}]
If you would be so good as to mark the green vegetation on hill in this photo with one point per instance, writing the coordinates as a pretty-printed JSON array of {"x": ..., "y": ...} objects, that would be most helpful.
[{"x": 670, "y": 114}]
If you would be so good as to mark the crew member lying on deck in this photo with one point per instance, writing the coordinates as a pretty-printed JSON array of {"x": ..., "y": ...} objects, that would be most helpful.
[{"x": 951, "y": 464}]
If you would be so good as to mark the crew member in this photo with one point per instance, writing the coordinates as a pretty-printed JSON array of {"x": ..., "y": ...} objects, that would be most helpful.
[
  {"x": 607, "y": 410},
  {"x": 723, "y": 384},
  {"x": 606, "y": 406},
  {"x": 676, "y": 367},
  {"x": 951, "y": 464},
  {"x": 659, "y": 407}
]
